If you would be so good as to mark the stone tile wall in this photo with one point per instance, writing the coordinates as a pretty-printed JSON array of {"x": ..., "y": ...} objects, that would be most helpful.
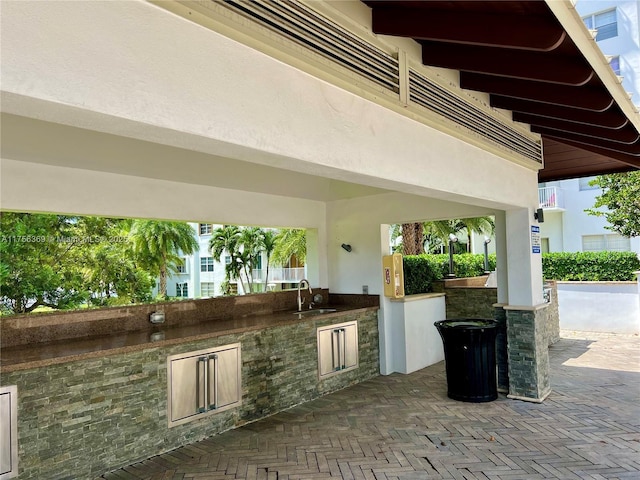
[
  {"x": 81, "y": 419},
  {"x": 528, "y": 353}
]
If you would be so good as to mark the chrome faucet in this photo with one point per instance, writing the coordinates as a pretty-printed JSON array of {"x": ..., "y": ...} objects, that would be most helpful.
[{"x": 300, "y": 299}]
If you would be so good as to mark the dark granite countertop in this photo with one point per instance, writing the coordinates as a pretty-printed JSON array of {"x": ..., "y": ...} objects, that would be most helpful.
[{"x": 36, "y": 355}]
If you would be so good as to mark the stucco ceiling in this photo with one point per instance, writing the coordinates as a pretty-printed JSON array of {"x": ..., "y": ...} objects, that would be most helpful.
[{"x": 531, "y": 64}]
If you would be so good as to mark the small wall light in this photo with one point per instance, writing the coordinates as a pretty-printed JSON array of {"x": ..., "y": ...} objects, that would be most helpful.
[
  {"x": 452, "y": 239},
  {"x": 346, "y": 246},
  {"x": 539, "y": 215}
]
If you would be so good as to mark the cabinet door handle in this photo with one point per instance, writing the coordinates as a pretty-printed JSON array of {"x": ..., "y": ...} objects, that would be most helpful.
[
  {"x": 202, "y": 371},
  {"x": 214, "y": 405},
  {"x": 335, "y": 349},
  {"x": 343, "y": 345}
]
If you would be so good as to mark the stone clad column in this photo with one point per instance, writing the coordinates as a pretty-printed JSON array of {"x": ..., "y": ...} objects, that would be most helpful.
[
  {"x": 525, "y": 313},
  {"x": 502, "y": 359},
  {"x": 528, "y": 353}
]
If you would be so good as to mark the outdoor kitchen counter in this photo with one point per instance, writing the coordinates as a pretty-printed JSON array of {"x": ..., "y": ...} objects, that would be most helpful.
[{"x": 35, "y": 355}]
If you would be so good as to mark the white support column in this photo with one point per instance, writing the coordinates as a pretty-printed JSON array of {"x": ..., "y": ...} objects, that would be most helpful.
[
  {"x": 502, "y": 270},
  {"x": 526, "y": 312},
  {"x": 384, "y": 314},
  {"x": 524, "y": 267}
]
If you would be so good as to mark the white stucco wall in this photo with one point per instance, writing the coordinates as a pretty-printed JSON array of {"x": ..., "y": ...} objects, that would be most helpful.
[
  {"x": 163, "y": 79},
  {"x": 416, "y": 342},
  {"x": 612, "y": 307}
]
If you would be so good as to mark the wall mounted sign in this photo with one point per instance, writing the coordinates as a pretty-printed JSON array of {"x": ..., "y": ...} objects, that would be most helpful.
[{"x": 535, "y": 239}]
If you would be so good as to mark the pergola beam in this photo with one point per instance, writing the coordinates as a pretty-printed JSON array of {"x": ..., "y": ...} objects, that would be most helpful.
[
  {"x": 611, "y": 118},
  {"x": 526, "y": 65},
  {"x": 586, "y": 97},
  {"x": 471, "y": 28}
]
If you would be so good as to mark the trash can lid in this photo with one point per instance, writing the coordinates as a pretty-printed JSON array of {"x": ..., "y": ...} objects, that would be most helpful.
[{"x": 470, "y": 323}]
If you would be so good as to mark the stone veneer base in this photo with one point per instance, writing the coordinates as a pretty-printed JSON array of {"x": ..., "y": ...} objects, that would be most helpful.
[
  {"x": 81, "y": 419},
  {"x": 528, "y": 352}
]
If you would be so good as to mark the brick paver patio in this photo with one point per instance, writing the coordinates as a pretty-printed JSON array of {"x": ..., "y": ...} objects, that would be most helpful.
[{"x": 404, "y": 427}]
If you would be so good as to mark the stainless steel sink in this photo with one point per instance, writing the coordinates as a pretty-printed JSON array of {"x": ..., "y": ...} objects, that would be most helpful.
[{"x": 315, "y": 311}]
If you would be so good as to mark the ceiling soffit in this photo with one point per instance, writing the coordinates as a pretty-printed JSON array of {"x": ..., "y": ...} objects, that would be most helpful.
[{"x": 521, "y": 55}]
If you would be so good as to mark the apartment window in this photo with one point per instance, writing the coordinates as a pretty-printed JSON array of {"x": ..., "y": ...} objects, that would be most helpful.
[
  {"x": 611, "y": 242},
  {"x": 207, "y": 289},
  {"x": 604, "y": 22},
  {"x": 205, "y": 228},
  {"x": 182, "y": 289},
  {"x": 206, "y": 264},
  {"x": 584, "y": 184},
  {"x": 227, "y": 259},
  {"x": 614, "y": 63},
  {"x": 182, "y": 266}
]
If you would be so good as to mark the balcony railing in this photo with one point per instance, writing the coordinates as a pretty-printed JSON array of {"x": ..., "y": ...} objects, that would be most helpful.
[
  {"x": 550, "y": 197},
  {"x": 279, "y": 275}
]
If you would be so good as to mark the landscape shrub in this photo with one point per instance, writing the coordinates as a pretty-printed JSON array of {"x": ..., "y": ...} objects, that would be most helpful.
[
  {"x": 590, "y": 266},
  {"x": 420, "y": 271}
]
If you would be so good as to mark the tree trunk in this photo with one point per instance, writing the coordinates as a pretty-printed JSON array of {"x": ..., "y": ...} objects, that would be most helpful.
[
  {"x": 163, "y": 281},
  {"x": 412, "y": 238}
]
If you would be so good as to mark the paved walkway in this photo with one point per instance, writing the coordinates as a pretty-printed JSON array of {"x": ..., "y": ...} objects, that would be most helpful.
[{"x": 404, "y": 427}]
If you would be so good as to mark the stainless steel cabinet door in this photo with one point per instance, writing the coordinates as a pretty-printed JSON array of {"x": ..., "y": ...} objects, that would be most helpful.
[
  {"x": 186, "y": 389},
  {"x": 327, "y": 351},
  {"x": 203, "y": 382},
  {"x": 8, "y": 432},
  {"x": 350, "y": 340},
  {"x": 225, "y": 382},
  {"x": 337, "y": 348}
]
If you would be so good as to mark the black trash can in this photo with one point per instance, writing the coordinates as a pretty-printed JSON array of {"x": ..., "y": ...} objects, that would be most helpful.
[{"x": 470, "y": 358}]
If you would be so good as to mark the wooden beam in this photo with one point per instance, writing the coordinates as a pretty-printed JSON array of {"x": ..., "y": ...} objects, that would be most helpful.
[
  {"x": 612, "y": 118},
  {"x": 586, "y": 97},
  {"x": 619, "y": 151},
  {"x": 498, "y": 30},
  {"x": 526, "y": 65},
  {"x": 627, "y": 135}
]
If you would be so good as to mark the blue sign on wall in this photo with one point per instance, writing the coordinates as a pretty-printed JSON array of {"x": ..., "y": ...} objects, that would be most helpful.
[{"x": 535, "y": 239}]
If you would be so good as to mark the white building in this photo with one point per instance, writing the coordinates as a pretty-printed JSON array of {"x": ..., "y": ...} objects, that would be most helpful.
[
  {"x": 617, "y": 27},
  {"x": 567, "y": 227},
  {"x": 201, "y": 275}
]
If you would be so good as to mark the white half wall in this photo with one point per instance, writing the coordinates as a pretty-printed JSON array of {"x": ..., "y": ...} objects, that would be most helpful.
[
  {"x": 611, "y": 307},
  {"x": 415, "y": 341}
]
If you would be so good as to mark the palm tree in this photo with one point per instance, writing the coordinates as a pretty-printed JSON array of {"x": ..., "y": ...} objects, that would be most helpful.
[
  {"x": 479, "y": 225},
  {"x": 251, "y": 243},
  {"x": 227, "y": 239},
  {"x": 290, "y": 242},
  {"x": 268, "y": 244},
  {"x": 412, "y": 238},
  {"x": 158, "y": 244},
  {"x": 441, "y": 229}
]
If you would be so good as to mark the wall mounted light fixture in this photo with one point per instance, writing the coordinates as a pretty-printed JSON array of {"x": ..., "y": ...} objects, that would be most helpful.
[
  {"x": 346, "y": 246},
  {"x": 539, "y": 215}
]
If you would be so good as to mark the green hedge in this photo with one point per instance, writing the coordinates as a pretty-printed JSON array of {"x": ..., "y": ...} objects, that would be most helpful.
[
  {"x": 420, "y": 271},
  {"x": 590, "y": 266}
]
